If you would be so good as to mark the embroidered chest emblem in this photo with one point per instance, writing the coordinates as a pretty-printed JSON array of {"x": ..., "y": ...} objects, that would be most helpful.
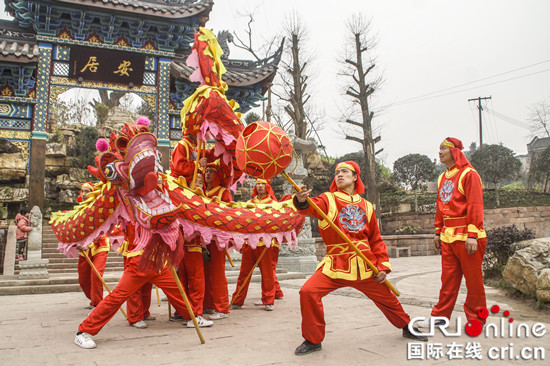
[
  {"x": 353, "y": 218},
  {"x": 446, "y": 191}
]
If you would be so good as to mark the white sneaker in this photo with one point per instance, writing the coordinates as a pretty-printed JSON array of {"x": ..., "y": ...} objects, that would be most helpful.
[
  {"x": 209, "y": 311},
  {"x": 258, "y": 303},
  {"x": 201, "y": 322},
  {"x": 236, "y": 307},
  {"x": 269, "y": 307},
  {"x": 84, "y": 340},
  {"x": 217, "y": 315},
  {"x": 150, "y": 317},
  {"x": 139, "y": 325},
  {"x": 426, "y": 323}
]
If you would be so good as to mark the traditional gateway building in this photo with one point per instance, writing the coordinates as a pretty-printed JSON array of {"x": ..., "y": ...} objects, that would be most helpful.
[{"x": 52, "y": 46}]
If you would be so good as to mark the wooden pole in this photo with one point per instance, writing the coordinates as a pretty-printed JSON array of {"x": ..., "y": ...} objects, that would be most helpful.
[
  {"x": 158, "y": 297},
  {"x": 248, "y": 276},
  {"x": 187, "y": 305},
  {"x": 341, "y": 234},
  {"x": 229, "y": 258},
  {"x": 101, "y": 279},
  {"x": 199, "y": 152}
]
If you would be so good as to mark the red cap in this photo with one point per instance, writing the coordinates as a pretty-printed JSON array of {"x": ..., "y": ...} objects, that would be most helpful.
[
  {"x": 456, "y": 150},
  {"x": 354, "y": 167}
]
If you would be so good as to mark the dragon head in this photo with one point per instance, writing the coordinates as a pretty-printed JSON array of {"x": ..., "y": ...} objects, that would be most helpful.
[{"x": 130, "y": 162}]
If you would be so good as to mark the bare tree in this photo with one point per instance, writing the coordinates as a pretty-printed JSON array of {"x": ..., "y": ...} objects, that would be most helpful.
[
  {"x": 266, "y": 50},
  {"x": 539, "y": 119},
  {"x": 296, "y": 66},
  {"x": 358, "y": 65}
]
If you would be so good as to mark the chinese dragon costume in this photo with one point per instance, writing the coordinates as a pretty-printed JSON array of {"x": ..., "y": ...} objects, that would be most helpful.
[{"x": 164, "y": 211}]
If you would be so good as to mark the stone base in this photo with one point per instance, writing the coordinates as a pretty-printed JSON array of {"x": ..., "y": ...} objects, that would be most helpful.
[
  {"x": 301, "y": 259},
  {"x": 304, "y": 264},
  {"x": 34, "y": 268}
]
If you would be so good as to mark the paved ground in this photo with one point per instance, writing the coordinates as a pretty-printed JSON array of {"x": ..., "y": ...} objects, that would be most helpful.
[{"x": 40, "y": 329}]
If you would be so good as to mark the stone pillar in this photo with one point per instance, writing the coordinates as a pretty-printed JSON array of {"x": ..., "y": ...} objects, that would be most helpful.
[
  {"x": 39, "y": 135},
  {"x": 163, "y": 106},
  {"x": 9, "y": 251},
  {"x": 303, "y": 258},
  {"x": 34, "y": 266}
]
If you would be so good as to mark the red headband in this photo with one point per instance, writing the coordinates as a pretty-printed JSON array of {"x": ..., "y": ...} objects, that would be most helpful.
[
  {"x": 354, "y": 167},
  {"x": 268, "y": 188}
]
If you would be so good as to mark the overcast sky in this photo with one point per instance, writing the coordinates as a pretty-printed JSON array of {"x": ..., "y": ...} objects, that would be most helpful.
[{"x": 424, "y": 46}]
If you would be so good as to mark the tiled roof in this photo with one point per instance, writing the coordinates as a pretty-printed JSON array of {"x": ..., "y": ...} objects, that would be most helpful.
[
  {"x": 166, "y": 8},
  {"x": 239, "y": 72},
  {"x": 17, "y": 42}
]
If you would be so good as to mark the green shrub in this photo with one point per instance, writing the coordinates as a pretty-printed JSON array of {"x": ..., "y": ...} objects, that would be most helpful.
[
  {"x": 56, "y": 136},
  {"x": 499, "y": 250},
  {"x": 85, "y": 146}
]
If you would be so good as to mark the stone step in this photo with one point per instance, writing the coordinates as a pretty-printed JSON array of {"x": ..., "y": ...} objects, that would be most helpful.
[{"x": 68, "y": 283}]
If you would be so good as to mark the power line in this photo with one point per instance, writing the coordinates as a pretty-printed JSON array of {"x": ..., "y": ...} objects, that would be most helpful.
[
  {"x": 427, "y": 96},
  {"x": 508, "y": 119},
  {"x": 476, "y": 81}
]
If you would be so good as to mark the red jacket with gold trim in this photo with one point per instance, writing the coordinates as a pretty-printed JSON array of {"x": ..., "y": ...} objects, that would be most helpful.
[
  {"x": 265, "y": 200},
  {"x": 182, "y": 162},
  {"x": 101, "y": 245},
  {"x": 219, "y": 192},
  {"x": 459, "y": 213},
  {"x": 355, "y": 216}
]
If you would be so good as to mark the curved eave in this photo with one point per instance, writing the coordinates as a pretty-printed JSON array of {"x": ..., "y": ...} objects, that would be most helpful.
[
  {"x": 231, "y": 77},
  {"x": 146, "y": 8},
  {"x": 239, "y": 72}
]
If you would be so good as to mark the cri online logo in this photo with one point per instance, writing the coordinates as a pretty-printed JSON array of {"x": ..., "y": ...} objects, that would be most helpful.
[{"x": 475, "y": 327}]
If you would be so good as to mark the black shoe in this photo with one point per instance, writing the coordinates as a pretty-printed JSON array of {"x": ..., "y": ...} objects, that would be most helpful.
[
  {"x": 307, "y": 347},
  {"x": 175, "y": 318},
  {"x": 407, "y": 334}
]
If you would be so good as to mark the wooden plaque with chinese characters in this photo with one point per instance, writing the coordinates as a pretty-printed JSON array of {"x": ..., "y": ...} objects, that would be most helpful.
[{"x": 97, "y": 64}]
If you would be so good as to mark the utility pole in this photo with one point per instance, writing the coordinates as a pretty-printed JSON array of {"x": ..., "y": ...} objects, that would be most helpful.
[{"x": 480, "y": 108}]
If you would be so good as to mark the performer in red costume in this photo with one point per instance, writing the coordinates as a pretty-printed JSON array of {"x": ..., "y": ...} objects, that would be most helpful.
[
  {"x": 183, "y": 158},
  {"x": 216, "y": 296},
  {"x": 132, "y": 280},
  {"x": 191, "y": 274},
  {"x": 137, "y": 305},
  {"x": 263, "y": 193},
  {"x": 459, "y": 233},
  {"x": 89, "y": 282},
  {"x": 342, "y": 267}
]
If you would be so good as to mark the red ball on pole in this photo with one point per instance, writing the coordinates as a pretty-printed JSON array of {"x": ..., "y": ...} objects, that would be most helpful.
[{"x": 263, "y": 150}]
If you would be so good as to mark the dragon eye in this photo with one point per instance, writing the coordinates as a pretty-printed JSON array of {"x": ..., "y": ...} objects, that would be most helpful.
[{"x": 110, "y": 172}]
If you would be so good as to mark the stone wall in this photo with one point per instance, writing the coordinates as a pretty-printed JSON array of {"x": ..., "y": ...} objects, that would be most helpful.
[{"x": 536, "y": 218}]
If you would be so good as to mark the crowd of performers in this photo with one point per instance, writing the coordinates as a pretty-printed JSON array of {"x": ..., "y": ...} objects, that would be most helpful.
[{"x": 459, "y": 234}]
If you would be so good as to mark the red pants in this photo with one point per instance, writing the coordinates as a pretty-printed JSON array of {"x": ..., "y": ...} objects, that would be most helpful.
[
  {"x": 216, "y": 295},
  {"x": 455, "y": 263},
  {"x": 319, "y": 285},
  {"x": 137, "y": 305},
  {"x": 131, "y": 281},
  {"x": 275, "y": 257},
  {"x": 191, "y": 273},
  {"x": 249, "y": 258},
  {"x": 89, "y": 283}
]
